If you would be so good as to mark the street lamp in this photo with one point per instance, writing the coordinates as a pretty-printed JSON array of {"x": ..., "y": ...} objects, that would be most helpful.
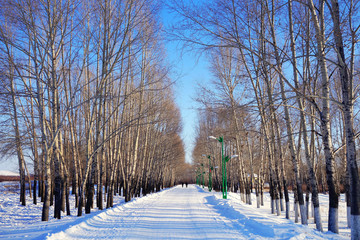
[
  {"x": 210, "y": 169},
  {"x": 224, "y": 160},
  {"x": 202, "y": 175},
  {"x": 197, "y": 177}
]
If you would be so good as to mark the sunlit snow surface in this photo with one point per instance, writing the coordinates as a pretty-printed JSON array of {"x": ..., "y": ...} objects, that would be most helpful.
[
  {"x": 176, "y": 213},
  {"x": 8, "y": 173}
]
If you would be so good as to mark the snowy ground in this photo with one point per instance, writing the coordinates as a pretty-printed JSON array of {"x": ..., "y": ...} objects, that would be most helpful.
[
  {"x": 180, "y": 213},
  {"x": 8, "y": 173},
  {"x": 24, "y": 222}
]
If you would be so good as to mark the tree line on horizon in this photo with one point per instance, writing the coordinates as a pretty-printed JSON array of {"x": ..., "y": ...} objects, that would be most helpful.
[
  {"x": 86, "y": 97},
  {"x": 285, "y": 83}
]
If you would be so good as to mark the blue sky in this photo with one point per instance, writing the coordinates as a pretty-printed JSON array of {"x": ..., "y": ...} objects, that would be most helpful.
[
  {"x": 187, "y": 72},
  {"x": 189, "y": 69}
]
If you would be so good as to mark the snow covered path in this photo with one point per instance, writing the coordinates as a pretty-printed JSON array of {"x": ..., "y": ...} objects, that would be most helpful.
[
  {"x": 187, "y": 213},
  {"x": 174, "y": 213}
]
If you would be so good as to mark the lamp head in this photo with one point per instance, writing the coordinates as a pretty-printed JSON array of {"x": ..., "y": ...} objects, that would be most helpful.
[{"x": 220, "y": 139}]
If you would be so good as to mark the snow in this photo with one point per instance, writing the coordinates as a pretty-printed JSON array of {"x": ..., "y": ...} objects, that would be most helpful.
[
  {"x": 175, "y": 213},
  {"x": 8, "y": 173},
  {"x": 24, "y": 222}
]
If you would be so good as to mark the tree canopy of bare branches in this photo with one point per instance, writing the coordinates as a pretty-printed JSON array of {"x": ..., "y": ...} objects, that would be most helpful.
[{"x": 86, "y": 96}]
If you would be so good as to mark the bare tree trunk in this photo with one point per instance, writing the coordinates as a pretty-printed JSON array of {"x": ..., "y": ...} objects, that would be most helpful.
[
  {"x": 34, "y": 145},
  {"x": 347, "y": 97},
  {"x": 288, "y": 122},
  {"x": 312, "y": 178},
  {"x": 325, "y": 120},
  {"x": 19, "y": 150}
]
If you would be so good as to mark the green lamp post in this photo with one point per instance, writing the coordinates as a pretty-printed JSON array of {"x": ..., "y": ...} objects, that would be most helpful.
[
  {"x": 197, "y": 177},
  {"x": 203, "y": 174},
  {"x": 224, "y": 159},
  {"x": 210, "y": 169},
  {"x": 210, "y": 177}
]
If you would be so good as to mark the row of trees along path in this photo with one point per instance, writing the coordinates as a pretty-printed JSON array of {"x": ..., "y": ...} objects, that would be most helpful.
[
  {"x": 85, "y": 94},
  {"x": 285, "y": 79}
]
